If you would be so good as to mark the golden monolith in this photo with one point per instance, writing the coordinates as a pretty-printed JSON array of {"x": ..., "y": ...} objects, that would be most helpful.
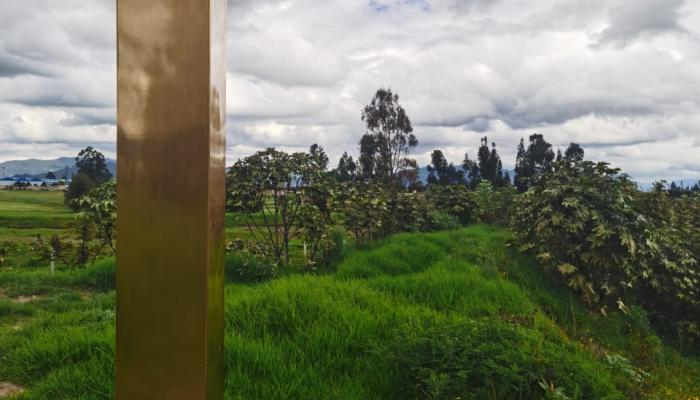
[{"x": 170, "y": 191}]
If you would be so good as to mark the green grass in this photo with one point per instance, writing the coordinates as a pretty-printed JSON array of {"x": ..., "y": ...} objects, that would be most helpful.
[
  {"x": 33, "y": 209},
  {"x": 25, "y": 215},
  {"x": 432, "y": 316}
]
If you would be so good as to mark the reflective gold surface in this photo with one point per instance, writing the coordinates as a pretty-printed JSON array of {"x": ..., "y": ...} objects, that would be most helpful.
[{"x": 170, "y": 150}]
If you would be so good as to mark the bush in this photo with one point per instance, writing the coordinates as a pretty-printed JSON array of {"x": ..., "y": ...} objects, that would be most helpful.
[
  {"x": 407, "y": 212},
  {"x": 330, "y": 249},
  {"x": 493, "y": 206},
  {"x": 613, "y": 244},
  {"x": 244, "y": 267},
  {"x": 442, "y": 221},
  {"x": 580, "y": 220},
  {"x": 672, "y": 290},
  {"x": 6, "y": 248},
  {"x": 364, "y": 210},
  {"x": 454, "y": 200}
]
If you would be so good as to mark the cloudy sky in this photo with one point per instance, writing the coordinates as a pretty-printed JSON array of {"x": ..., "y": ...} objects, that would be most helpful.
[{"x": 620, "y": 77}]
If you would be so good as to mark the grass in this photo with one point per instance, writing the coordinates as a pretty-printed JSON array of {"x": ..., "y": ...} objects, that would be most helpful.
[
  {"x": 25, "y": 215},
  {"x": 427, "y": 316},
  {"x": 33, "y": 209}
]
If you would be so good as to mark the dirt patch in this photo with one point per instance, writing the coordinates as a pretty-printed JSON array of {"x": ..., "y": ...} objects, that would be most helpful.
[
  {"x": 8, "y": 389},
  {"x": 86, "y": 294},
  {"x": 25, "y": 299}
]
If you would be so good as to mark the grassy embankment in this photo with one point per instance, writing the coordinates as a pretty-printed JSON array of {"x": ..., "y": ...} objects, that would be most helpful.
[{"x": 417, "y": 316}]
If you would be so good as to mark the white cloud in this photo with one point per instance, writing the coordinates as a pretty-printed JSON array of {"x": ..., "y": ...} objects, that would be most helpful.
[{"x": 621, "y": 78}]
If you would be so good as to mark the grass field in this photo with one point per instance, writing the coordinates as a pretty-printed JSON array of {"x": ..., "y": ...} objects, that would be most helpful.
[
  {"x": 431, "y": 316},
  {"x": 24, "y": 215},
  {"x": 440, "y": 315}
]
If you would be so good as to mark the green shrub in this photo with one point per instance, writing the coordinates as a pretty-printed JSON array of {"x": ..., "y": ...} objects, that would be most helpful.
[
  {"x": 248, "y": 268},
  {"x": 407, "y": 212},
  {"x": 614, "y": 244},
  {"x": 442, "y": 221},
  {"x": 672, "y": 290},
  {"x": 455, "y": 200},
  {"x": 331, "y": 247},
  {"x": 493, "y": 206},
  {"x": 580, "y": 221}
]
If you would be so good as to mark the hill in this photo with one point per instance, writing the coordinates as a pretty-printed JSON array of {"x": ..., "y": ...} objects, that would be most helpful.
[
  {"x": 35, "y": 168},
  {"x": 446, "y": 315}
]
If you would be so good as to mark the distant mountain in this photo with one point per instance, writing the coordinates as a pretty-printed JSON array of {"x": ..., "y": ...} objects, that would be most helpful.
[{"x": 34, "y": 168}]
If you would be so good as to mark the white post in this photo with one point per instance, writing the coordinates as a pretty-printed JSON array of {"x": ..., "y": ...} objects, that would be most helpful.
[{"x": 53, "y": 261}]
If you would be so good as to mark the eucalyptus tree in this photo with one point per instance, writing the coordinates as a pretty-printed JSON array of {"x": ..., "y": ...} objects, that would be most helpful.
[
  {"x": 443, "y": 173},
  {"x": 92, "y": 163},
  {"x": 490, "y": 165},
  {"x": 574, "y": 152},
  {"x": 346, "y": 171},
  {"x": 533, "y": 161},
  {"x": 388, "y": 141}
]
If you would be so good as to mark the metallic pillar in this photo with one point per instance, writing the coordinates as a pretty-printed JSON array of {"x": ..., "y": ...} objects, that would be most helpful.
[{"x": 170, "y": 151}]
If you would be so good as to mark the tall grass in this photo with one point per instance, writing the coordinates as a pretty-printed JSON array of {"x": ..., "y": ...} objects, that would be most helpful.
[{"x": 418, "y": 316}]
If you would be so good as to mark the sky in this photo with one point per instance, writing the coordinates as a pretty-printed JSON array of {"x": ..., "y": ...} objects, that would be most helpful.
[{"x": 620, "y": 77}]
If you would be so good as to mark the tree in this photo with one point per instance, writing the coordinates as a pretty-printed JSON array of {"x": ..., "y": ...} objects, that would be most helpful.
[
  {"x": 98, "y": 209},
  {"x": 443, "y": 173},
  {"x": 318, "y": 156},
  {"x": 79, "y": 186},
  {"x": 50, "y": 175},
  {"x": 364, "y": 207},
  {"x": 532, "y": 162},
  {"x": 522, "y": 168},
  {"x": 368, "y": 151},
  {"x": 21, "y": 185},
  {"x": 346, "y": 171},
  {"x": 574, "y": 152},
  {"x": 490, "y": 165},
  {"x": 315, "y": 213},
  {"x": 392, "y": 139},
  {"x": 278, "y": 192},
  {"x": 91, "y": 163},
  {"x": 471, "y": 168}
]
